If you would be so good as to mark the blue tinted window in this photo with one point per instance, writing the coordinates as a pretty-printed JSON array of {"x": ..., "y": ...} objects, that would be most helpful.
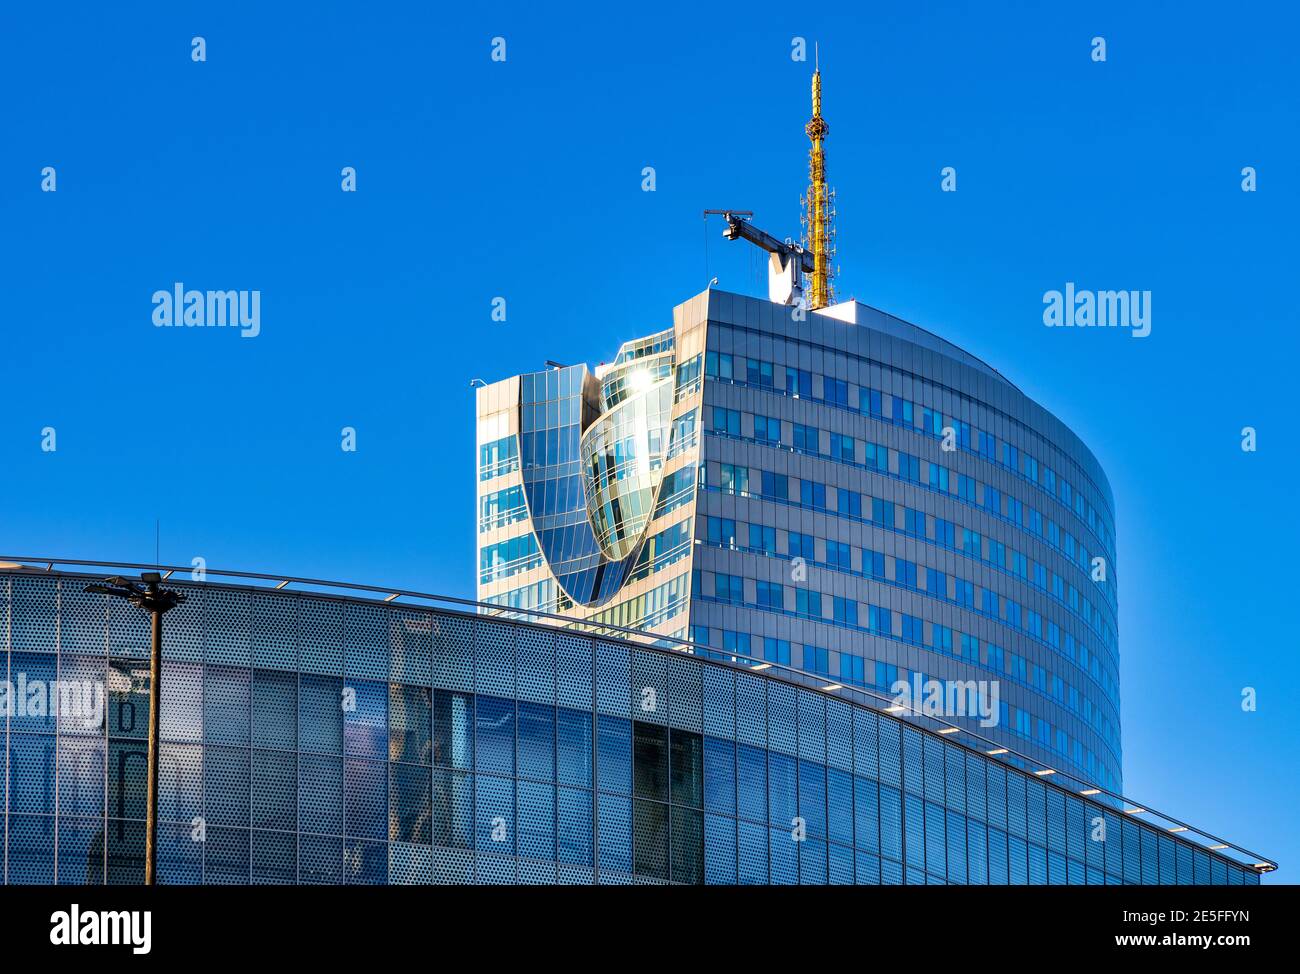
[
  {"x": 614, "y": 754},
  {"x": 751, "y": 782},
  {"x": 494, "y": 733},
  {"x": 536, "y": 741},
  {"x": 719, "y": 775},
  {"x": 365, "y": 719},
  {"x": 574, "y": 747}
]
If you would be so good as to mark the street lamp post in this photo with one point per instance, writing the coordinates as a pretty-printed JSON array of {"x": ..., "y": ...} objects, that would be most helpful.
[{"x": 154, "y": 600}]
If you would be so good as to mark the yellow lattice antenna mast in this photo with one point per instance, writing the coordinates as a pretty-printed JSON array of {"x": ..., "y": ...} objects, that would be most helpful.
[{"x": 819, "y": 209}]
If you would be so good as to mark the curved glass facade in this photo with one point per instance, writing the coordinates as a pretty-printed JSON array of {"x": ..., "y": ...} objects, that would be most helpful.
[
  {"x": 866, "y": 502},
  {"x": 317, "y": 739},
  {"x": 623, "y": 456}
]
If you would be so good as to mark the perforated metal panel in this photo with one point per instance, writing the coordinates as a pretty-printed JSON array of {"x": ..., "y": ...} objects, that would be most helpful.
[
  {"x": 83, "y": 620},
  {"x": 320, "y": 860},
  {"x": 33, "y": 614},
  {"x": 410, "y": 641},
  {"x": 649, "y": 689},
  {"x": 782, "y": 723},
  {"x": 320, "y": 636},
  {"x": 181, "y": 715},
  {"x": 227, "y": 627},
  {"x": 365, "y": 641},
  {"x": 409, "y": 807},
  {"x": 536, "y": 665},
  {"x": 183, "y": 626},
  {"x": 274, "y": 858},
  {"x": 274, "y": 632},
  {"x": 410, "y": 865},
  {"x": 954, "y": 760},
  {"x": 685, "y": 694},
  {"x": 180, "y": 783},
  {"x": 453, "y": 654},
  {"x": 226, "y": 704},
  {"x": 365, "y": 863},
  {"x": 32, "y": 774},
  {"x": 274, "y": 709},
  {"x": 81, "y": 766},
  {"x": 226, "y": 786},
  {"x": 613, "y": 679},
  {"x": 614, "y": 831},
  {"x": 494, "y": 659},
  {"x": 719, "y": 688},
  {"x": 320, "y": 794},
  {"x": 812, "y": 726},
  {"x": 575, "y": 672},
  {"x": 839, "y": 736},
  {"x": 751, "y": 709},
  {"x": 320, "y": 714},
  {"x": 81, "y": 699},
  {"x": 226, "y": 857},
  {"x": 129, "y": 630},
  {"x": 365, "y": 799},
  {"x": 452, "y": 867},
  {"x": 273, "y": 798}
]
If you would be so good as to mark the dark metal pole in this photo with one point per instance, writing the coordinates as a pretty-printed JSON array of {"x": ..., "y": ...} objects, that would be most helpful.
[{"x": 151, "y": 795}]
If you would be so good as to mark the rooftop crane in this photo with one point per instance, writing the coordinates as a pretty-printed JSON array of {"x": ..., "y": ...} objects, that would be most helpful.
[{"x": 787, "y": 261}]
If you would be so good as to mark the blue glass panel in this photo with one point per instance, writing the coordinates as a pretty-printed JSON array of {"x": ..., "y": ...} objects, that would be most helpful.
[
  {"x": 494, "y": 735},
  {"x": 574, "y": 746},
  {"x": 536, "y": 741},
  {"x": 614, "y": 754},
  {"x": 719, "y": 776}
]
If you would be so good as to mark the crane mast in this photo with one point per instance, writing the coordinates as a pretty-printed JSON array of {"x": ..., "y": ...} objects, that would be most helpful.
[
  {"x": 799, "y": 274},
  {"x": 818, "y": 218}
]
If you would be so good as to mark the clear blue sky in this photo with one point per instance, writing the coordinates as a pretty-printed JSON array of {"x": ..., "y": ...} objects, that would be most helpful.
[{"x": 523, "y": 179}]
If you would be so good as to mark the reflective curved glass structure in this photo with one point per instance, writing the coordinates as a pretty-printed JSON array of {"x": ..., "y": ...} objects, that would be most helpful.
[
  {"x": 592, "y": 450},
  {"x": 622, "y": 465},
  {"x": 840, "y": 491}
]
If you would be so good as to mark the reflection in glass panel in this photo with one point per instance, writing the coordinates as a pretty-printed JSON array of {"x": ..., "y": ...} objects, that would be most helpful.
[
  {"x": 614, "y": 754},
  {"x": 365, "y": 719},
  {"x": 409, "y": 718},
  {"x": 536, "y": 741},
  {"x": 687, "y": 763},
  {"x": 452, "y": 804},
  {"x": 453, "y": 729},
  {"x": 781, "y": 788},
  {"x": 650, "y": 839},
  {"x": 650, "y": 761},
  {"x": 494, "y": 734},
  {"x": 687, "y": 845},
  {"x": 574, "y": 747},
  {"x": 574, "y": 826},
  {"x": 409, "y": 809},
  {"x": 751, "y": 782},
  {"x": 128, "y": 698},
  {"x": 320, "y": 714},
  {"x": 719, "y": 775}
]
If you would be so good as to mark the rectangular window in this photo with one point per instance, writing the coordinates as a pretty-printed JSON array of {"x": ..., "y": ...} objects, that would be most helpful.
[
  {"x": 842, "y": 448},
  {"x": 812, "y": 495},
  {"x": 798, "y": 383},
  {"x": 767, "y": 429},
  {"x": 770, "y": 595},
  {"x": 801, "y": 546},
  {"x": 806, "y": 438},
  {"x": 762, "y": 538},
  {"x": 776, "y": 650},
  {"x": 734, "y": 478},
  {"x": 775, "y": 485}
]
